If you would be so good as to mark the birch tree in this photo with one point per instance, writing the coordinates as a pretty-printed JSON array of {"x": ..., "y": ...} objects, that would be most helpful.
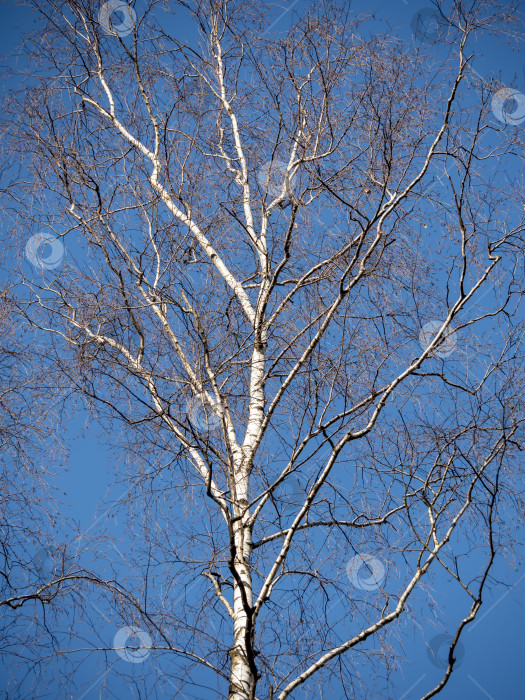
[
  {"x": 285, "y": 273},
  {"x": 37, "y": 570}
]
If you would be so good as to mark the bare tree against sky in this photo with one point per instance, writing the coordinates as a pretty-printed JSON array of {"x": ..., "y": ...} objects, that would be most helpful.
[
  {"x": 36, "y": 567},
  {"x": 285, "y": 273}
]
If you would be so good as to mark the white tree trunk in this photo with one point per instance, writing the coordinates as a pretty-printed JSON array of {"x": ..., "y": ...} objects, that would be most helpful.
[{"x": 241, "y": 674}]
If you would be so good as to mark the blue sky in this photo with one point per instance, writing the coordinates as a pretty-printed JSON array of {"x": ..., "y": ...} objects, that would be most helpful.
[{"x": 493, "y": 645}]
